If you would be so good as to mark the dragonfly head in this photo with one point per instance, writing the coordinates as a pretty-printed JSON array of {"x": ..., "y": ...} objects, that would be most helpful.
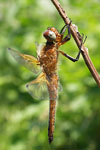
[{"x": 51, "y": 34}]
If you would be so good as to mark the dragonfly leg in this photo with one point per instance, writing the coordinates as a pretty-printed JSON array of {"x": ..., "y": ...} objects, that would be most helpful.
[
  {"x": 82, "y": 39},
  {"x": 65, "y": 27},
  {"x": 70, "y": 57},
  {"x": 67, "y": 38}
]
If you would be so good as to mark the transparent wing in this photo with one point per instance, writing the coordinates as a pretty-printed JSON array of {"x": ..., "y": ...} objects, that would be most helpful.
[
  {"x": 28, "y": 61},
  {"x": 39, "y": 47},
  {"x": 38, "y": 91},
  {"x": 60, "y": 88},
  {"x": 38, "y": 88}
]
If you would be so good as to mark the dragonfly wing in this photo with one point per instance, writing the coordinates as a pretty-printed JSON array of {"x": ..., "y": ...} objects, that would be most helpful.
[
  {"x": 28, "y": 61},
  {"x": 38, "y": 87},
  {"x": 60, "y": 88},
  {"x": 39, "y": 47}
]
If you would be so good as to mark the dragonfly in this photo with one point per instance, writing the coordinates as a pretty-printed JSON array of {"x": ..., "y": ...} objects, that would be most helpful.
[{"x": 47, "y": 82}]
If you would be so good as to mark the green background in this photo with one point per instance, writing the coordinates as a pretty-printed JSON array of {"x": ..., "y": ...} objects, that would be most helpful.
[{"x": 24, "y": 120}]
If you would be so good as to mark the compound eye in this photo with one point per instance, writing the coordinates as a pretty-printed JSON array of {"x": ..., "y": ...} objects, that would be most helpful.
[{"x": 52, "y": 35}]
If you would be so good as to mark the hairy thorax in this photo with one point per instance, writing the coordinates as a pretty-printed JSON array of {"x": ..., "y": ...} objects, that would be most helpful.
[{"x": 48, "y": 59}]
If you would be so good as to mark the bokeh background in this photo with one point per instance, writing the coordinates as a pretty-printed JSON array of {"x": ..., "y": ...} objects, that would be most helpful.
[{"x": 24, "y": 120}]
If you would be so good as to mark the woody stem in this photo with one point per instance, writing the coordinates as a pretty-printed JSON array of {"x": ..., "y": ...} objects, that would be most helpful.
[{"x": 78, "y": 42}]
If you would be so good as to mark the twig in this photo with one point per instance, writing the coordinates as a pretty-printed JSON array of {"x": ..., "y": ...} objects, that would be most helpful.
[{"x": 76, "y": 37}]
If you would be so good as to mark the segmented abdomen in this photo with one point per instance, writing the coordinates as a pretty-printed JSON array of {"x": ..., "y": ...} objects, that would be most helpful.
[
  {"x": 51, "y": 127},
  {"x": 48, "y": 59},
  {"x": 52, "y": 88}
]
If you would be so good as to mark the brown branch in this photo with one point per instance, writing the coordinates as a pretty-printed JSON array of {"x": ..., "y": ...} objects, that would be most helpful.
[{"x": 76, "y": 37}]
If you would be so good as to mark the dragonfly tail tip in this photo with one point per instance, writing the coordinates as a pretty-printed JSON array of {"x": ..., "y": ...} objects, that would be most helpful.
[{"x": 50, "y": 139}]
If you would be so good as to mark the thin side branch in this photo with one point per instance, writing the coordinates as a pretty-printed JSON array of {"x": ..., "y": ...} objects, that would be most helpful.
[{"x": 76, "y": 37}]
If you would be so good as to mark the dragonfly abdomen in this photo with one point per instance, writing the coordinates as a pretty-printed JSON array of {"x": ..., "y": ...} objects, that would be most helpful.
[
  {"x": 48, "y": 60},
  {"x": 53, "y": 92},
  {"x": 51, "y": 120}
]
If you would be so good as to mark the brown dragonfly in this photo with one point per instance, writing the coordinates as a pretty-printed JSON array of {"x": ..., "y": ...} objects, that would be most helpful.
[{"x": 46, "y": 84}]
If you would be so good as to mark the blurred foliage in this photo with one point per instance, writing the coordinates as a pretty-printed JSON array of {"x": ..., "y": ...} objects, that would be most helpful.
[{"x": 24, "y": 120}]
